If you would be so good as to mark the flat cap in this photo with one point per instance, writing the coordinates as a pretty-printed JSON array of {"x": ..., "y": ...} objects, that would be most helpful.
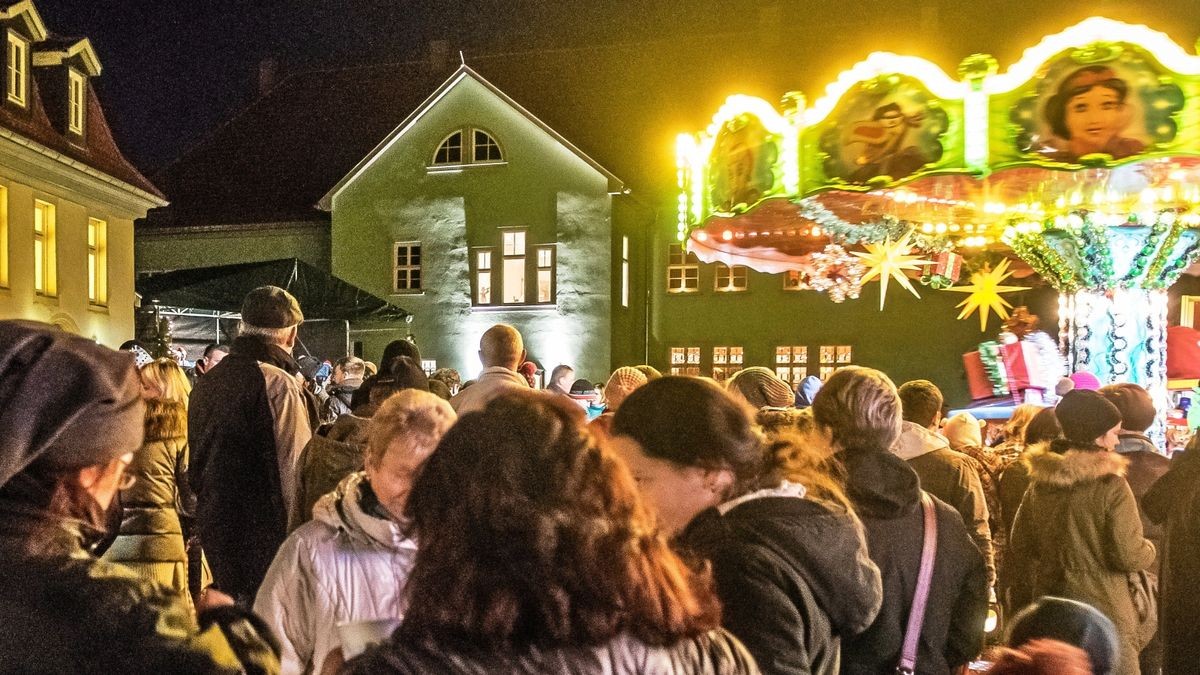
[{"x": 271, "y": 307}]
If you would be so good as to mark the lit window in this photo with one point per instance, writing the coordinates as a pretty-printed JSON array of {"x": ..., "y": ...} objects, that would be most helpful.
[
  {"x": 791, "y": 363},
  {"x": 486, "y": 149},
  {"x": 792, "y": 281},
  {"x": 514, "y": 267},
  {"x": 429, "y": 366},
  {"x": 18, "y": 68},
  {"x": 834, "y": 357},
  {"x": 514, "y": 243},
  {"x": 3, "y": 236},
  {"x": 97, "y": 257},
  {"x": 729, "y": 279},
  {"x": 407, "y": 267},
  {"x": 545, "y": 274},
  {"x": 685, "y": 361},
  {"x": 483, "y": 277},
  {"x": 44, "y": 259},
  {"x": 76, "y": 100},
  {"x": 683, "y": 270},
  {"x": 450, "y": 151},
  {"x": 624, "y": 271}
]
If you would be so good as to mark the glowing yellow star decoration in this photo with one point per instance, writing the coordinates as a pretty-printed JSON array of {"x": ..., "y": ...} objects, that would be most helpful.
[
  {"x": 985, "y": 289},
  {"x": 889, "y": 260}
]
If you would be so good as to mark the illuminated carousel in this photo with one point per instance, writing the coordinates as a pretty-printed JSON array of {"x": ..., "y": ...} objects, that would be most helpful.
[{"x": 1079, "y": 165}]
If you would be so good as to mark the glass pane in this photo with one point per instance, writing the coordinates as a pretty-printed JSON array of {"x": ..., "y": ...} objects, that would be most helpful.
[
  {"x": 799, "y": 374},
  {"x": 91, "y": 234},
  {"x": 92, "y": 277},
  {"x": 514, "y": 280},
  {"x": 401, "y": 256},
  {"x": 545, "y": 286},
  {"x": 544, "y": 257},
  {"x": 783, "y": 374},
  {"x": 693, "y": 355},
  {"x": 414, "y": 255},
  {"x": 799, "y": 354},
  {"x": 843, "y": 354},
  {"x": 677, "y": 354},
  {"x": 735, "y": 355},
  {"x": 510, "y": 243},
  {"x": 720, "y": 355},
  {"x": 519, "y": 243},
  {"x": 414, "y": 279},
  {"x": 483, "y": 260},
  {"x": 483, "y": 285},
  {"x": 625, "y": 248},
  {"x": 718, "y": 373},
  {"x": 828, "y": 354},
  {"x": 783, "y": 355}
]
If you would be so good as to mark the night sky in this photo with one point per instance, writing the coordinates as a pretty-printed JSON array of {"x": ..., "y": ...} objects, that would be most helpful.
[{"x": 174, "y": 70}]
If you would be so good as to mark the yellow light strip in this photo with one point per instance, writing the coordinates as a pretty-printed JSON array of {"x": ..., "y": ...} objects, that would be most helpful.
[{"x": 884, "y": 63}]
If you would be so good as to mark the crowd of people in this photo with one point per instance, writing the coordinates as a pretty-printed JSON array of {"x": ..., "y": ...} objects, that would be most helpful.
[{"x": 265, "y": 513}]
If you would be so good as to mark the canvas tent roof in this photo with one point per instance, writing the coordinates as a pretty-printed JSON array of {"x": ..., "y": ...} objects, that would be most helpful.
[{"x": 321, "y": 295}]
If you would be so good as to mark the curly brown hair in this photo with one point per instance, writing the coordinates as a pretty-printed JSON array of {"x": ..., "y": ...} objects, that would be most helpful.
[{"x": 532, "y": 534}]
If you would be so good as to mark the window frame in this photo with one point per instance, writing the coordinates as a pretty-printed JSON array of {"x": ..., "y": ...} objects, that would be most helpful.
[
  {"x": 408, "y": 268},
  {"x": 475, "y": 145},
  {"x": 732, "y": 275},
  {"x": 468, "y": 148},
  {"x": 76, "y": 108},
  {"x": 689, "y": 272},
  {"x": 480, "y": 270},
  {"x": 45, "y": 284},
  {"x": 17, "y": 49},
  {"x": 443, "y": 144},
  {"x": 550, "y": 269},
  {"x": 509, "y": 261},
  {"x": 97, "y": 255}
]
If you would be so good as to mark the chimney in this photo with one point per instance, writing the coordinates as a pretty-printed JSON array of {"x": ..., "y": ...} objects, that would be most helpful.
[
  {"x": 268, "y": 73},
  {"x": 439, "y": 55}
]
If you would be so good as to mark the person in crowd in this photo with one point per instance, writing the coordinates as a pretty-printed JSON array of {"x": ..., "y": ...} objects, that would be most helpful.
[
  {"x": 858, "y": 411},
  {"x": 349, "y": 563},
  {"x": 348, "y": 375},
  {"x": 395, "y": 348},
  {"x": 448, "y": 377},
  {"x": 650, "y": 372},
  {"x": 792, "y": 569},
  {"x": 1041, "y": 657},
  {"x": 1174, "y": 503},
  {"x": 529, "y": 370},
  {"x": 1066, "y": 622},
  {"x": 807, "y": 390},
  {"x": 140, "y": 354},
  {"x": 761, "y": 388},
  {"x": 536, "y": 556},
  {"x": 329, "y": 458},
  {"x": 948, "y": 475},
  {"x": 213, "y": 354},
  {"x": 1010, "y": 446},
  {"x": 621, "y": 384},
  {"x": 439, "y": 389},
  {"x": 964, "y": 433},
  {"x": 1077, "y": 533},
  {"x": 501, "y": 351},
  {"x": 73, "y": 416},
  {"x": 560, "y": 380},
  {"x": 583, "y": 393},
  {"x": 151, "y": 540},
  {"x": 247, "y": 424}
]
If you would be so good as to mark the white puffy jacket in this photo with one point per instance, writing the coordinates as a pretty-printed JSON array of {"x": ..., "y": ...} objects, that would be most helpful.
[{"x": 343, "y": 566}]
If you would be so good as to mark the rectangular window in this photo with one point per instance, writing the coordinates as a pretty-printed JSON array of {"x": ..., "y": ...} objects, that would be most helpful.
[
  {"x": 407, "y": 267},
  {"x": 791, "y": 363},
  {"x": 545, "y": 274},
  {"x": 833, "y": 357},
  {"x": 685, "y": 361},
  {"x": 483, "y": 277},
  {"x": 731, "y": 279},
  {"x": 44, "y": 259},
  {"x": 3, "y": 237},
  {"x": 624, "y": 271},
  {"x": 18, "y": 69},
  {"x": 792, "y": 281},
  {"x": 76, "y": 100},
  {"x": 97, "y": 257},
  {"x": 514, "y": 243},
  {"x": 683, "y": 270},
  {"x": 428, "y": 365},
  {"x": 514, "y": 267}
]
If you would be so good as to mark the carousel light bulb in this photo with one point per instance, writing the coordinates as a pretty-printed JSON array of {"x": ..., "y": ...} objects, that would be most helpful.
[
  {"x": 1075, "y": 221},
  {"x": 702, "y": 235},
  {"x": 1147, "y": 196},
  {"x": 927, "y": 228},
  {"x": 816, "y": 231},
  {"x": 727, "y": 235},
  {"x": 940, "y": 228}
]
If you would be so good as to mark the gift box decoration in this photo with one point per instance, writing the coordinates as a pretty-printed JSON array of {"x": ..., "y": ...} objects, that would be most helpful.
[
  {"x": 944, "y": 271},
  {"x": 986, "y": 377}
]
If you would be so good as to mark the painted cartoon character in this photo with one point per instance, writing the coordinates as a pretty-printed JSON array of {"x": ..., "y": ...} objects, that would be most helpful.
[
  {"x": 1088, "y": 115},
  {"x": 739, "y": 181},
  {"x": 885, "y": 150}
]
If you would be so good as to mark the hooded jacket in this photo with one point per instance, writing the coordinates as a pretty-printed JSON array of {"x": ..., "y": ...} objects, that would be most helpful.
[
  {"x": 793, "y": 577},
  {"x": 886, "y": 495},
  {"x": 951, "y": 477},
  {"x": 807, "y": 391},
  {"x": 346, "y": 565},
  {"x": 1146, "y": 465},
  {"x": 1078, "y": 535},
  {"x": 1174, "y": 502},
  {"x": 328, "y": 459}
]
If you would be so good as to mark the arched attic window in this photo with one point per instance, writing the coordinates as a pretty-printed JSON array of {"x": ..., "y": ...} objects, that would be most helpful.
[
  {"x": 468, "y": 146},
  {"x": 450, "y": 151},
  {"x": 486, "y": 149}
]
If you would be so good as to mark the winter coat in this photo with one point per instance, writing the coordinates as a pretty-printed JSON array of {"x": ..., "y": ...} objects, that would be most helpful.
[
  {"x": 886, "y": 495},
  {"x": 793, "y": 577},
  {"x": 1078, "y": 535},
  {"x": 247, "y": 424},
  {"x": 346, "y": 565},
  {"x": 951, "y": 477},
  {"x": 338, "y": 401},
  {"x": 713, "y": 653},
  {"x": 151, "y": 539},
  {"x": 492, "y": 382},
  {"x": 64, "y": 611},
  {"x": 328, "y": 459},
  {"x": 1146, "y": 465},
  {"x": 1174, "y": 503}
]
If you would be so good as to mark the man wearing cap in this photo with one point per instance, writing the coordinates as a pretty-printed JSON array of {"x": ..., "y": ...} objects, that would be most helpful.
[{"x": 247, "y": 424}]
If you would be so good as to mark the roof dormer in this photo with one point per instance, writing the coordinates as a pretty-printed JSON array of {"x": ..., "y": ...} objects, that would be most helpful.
[
  {"x": 23, "y": 27},
  {"x": 64, "y": 67}
]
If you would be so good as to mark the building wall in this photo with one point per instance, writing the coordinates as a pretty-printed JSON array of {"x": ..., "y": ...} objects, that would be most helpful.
[
  {"x": 166, "y": 249},
  {"x": 542, "y": 187},
  {"x": 27, "y": 175}
]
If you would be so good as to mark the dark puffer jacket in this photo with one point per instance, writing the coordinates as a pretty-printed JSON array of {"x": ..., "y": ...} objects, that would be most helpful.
[
  {"x": 714, "y": 653},
  {"x": 64, "y": 611},
  {"x": 793, "y": 576},
  {"x": 887, "y": 497}
]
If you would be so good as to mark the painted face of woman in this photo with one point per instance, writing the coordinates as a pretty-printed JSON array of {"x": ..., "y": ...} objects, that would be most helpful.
[{"x": 1094, "y": 118}]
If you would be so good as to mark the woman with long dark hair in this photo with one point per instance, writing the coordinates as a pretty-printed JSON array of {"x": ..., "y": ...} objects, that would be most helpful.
[
  {"x": 788, "y": 554},
  {"x": 536, "y": 556},
  {"x": 72, "y": 415}
]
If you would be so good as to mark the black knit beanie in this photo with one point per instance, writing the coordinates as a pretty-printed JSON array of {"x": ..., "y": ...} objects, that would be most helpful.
[{"x": 1086, "y": 415}]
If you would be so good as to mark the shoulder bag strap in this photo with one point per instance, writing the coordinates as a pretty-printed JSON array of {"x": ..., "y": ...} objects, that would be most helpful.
[{"x": 916, "y": 614}]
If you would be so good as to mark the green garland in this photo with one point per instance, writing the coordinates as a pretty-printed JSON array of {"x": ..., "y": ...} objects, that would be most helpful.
[
  {"x": 993, "y": 365},
  {"x": 1046, "y": 261},
  {"x": 1097, "y": 255},
  {"x": 886, "y": 228}
]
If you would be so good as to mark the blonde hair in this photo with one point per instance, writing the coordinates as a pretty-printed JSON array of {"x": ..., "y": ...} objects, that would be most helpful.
[
  {"x": 417, "y": 418},
  {"x": 803, "y": 456},
  {"x": 166, "y": 376},
  {"x": 861, "y": 409},
  {"x": 1022, "y": 415}
]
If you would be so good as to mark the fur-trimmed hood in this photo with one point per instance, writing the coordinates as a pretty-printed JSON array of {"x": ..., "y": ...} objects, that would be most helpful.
[
  {"x": 1071, "y": 467},
  {"x": 165, "y": 419}
]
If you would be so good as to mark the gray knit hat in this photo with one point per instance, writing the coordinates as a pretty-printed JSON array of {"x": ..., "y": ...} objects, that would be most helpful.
[
  {"x": 761, "y": 388},
  {"x": 64, "y": 400}
]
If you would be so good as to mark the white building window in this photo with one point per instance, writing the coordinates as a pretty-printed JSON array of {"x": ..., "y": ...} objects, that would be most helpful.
[
  {"x": 792, "y": 281},
  {"x": 624, "y": 271},
  {"x": 429, "y": 366},
  {"x": 683, "y": 270},
  {"x": 731, "y": 279},
  {"x": 483, "y": 276},
  {"x": 97, "y": 257},
  {"x": 18, "y": 68},
  {"x": 45, "y": 281},
  {"x": 450, "y": 150},
  {"x": 791, "y": 363},
  {"x": 545, "y": 274},
  {"x": 726, "y": 362},
  {"x": 514, "y": 267},
  {"x": 76, "y": 100},
  {"x": 833, "y": 357},
  {"x": 407, "y": 267},
  {"x": 685, "y": 361},
  {"x": 485, "y": 148},
  {"x": 468, "y": 146}
]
